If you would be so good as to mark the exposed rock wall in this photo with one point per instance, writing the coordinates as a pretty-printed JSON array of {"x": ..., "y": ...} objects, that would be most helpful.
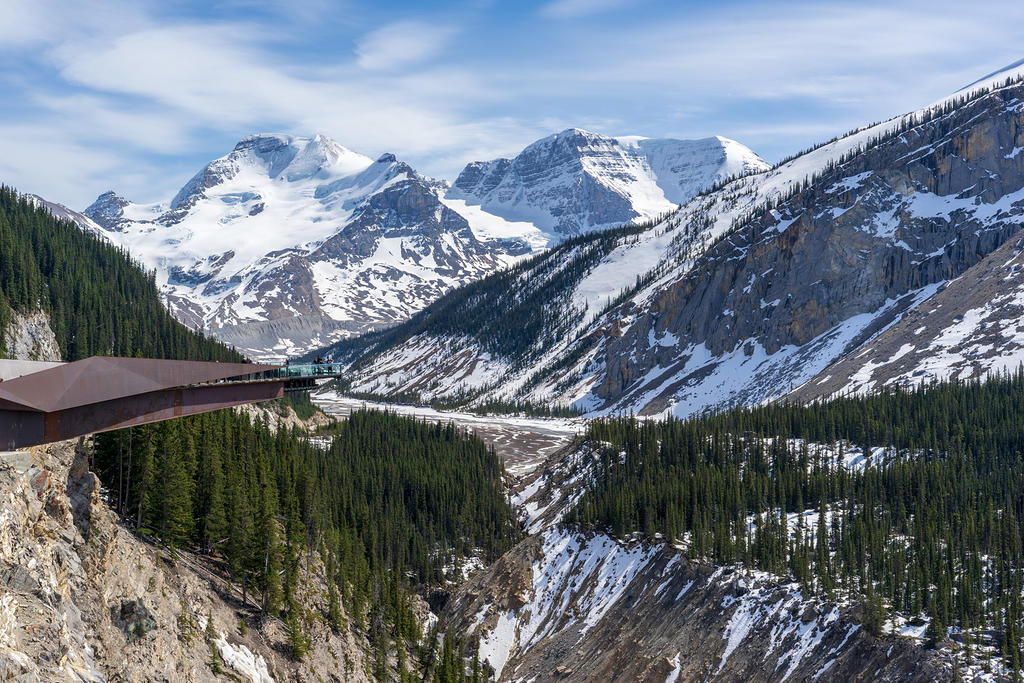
[
  {"x": 82, "y": 598},
  {"x": 29, "y": 337},
  {"x": 914, "y": 211},
  {"x": 280, "y": 415},
  {"x": 971, "y": 328}
]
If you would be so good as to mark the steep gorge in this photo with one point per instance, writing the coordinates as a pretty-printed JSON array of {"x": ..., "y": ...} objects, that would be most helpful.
[{"x": 568, "y": 604}]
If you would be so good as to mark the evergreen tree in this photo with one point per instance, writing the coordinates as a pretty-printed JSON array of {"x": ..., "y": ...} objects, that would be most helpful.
[{"x": 298, "y": 642}]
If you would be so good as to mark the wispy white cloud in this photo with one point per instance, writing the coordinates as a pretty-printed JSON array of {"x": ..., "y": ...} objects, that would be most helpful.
[
  {"x": 214, "y": 76},
  {"x": 401, "y": 44},
  {"x": 34, "y": 22},
  {"x": 134, "y": 92},
  {"x": 62, "y": 166},
  {"x": 791, "y": 49},
  {"x": 573, "y": 9},
  {"x": 21, "y": 23},
  {"x": 99, "y": 121}
]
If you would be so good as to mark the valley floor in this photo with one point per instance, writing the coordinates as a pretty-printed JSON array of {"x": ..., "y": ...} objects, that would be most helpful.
[
  {"x": 523, "y": 442},
  {"x": 575, "y": 605}
]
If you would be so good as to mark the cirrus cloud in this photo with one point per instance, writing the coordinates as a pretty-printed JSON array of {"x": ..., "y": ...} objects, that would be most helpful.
[
  {"x": 401, "y": 43},
  {"x": 153, "y": 90}
]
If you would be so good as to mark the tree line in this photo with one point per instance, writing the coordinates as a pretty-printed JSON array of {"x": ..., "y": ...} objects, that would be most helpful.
[{"x": 98, "y": 299}]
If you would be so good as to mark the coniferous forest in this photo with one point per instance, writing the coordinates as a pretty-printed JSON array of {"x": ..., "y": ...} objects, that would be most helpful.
[
  {"x": 98, "y": 299},
  {"x": 390, "y": 505},
  {"x": 928, "y": 527}
]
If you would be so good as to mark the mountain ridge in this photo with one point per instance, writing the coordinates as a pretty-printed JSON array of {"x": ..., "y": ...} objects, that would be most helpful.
[
  {"x": 577, "y": 181},
  {"x": 655, "y": 350},
  {"x": 288, "y": 243}
]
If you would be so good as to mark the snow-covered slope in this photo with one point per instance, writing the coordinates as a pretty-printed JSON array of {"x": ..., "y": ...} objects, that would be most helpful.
[
  {"x": 567, "y": 604},
  {"x": 747, "y": 292},
  {"x": 576, "y": 181},
  {"x": 289, "y": 243}
]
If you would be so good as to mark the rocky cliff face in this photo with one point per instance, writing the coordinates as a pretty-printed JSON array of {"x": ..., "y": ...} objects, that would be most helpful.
[
  {"x": 84, "y": 599},
  {"x": 571, "y": 606},
  {"x": 29, "y": 337},
  {"x": 972, "y": 327}
]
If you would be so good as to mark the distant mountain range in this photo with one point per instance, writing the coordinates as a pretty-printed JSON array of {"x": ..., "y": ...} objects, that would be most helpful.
[{"x": 287, "y": 244}]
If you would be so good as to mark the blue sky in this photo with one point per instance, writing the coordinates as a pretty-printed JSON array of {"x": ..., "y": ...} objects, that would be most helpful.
[{"x": 136, "y": 96}]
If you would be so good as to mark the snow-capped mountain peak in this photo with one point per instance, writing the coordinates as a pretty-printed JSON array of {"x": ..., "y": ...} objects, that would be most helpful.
[
  {"x": 274, "y": 156},
  {"x": 107, "y": 210},
  {"x": 296, "y": 158},
  {"x": 579, "y": 181},
  {"x": 287, "y": 242}
]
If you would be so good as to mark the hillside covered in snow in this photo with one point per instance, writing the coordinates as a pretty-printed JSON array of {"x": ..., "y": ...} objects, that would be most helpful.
[
  {"x": 749, "y": 291},
  {"x": 577, "y": 181}
]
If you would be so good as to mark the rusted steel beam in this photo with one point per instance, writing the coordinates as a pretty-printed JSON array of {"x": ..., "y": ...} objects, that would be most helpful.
[{"x": 19, "y": 429}]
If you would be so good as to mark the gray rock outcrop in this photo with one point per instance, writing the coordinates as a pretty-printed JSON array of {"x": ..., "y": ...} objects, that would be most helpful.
[
  {"x": 83, "y": 599},
  {"x": 912, "y": 211}
]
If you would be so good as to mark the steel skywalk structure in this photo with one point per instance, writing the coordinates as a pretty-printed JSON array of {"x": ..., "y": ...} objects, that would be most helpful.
[{"x": 47, "y": 402}]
